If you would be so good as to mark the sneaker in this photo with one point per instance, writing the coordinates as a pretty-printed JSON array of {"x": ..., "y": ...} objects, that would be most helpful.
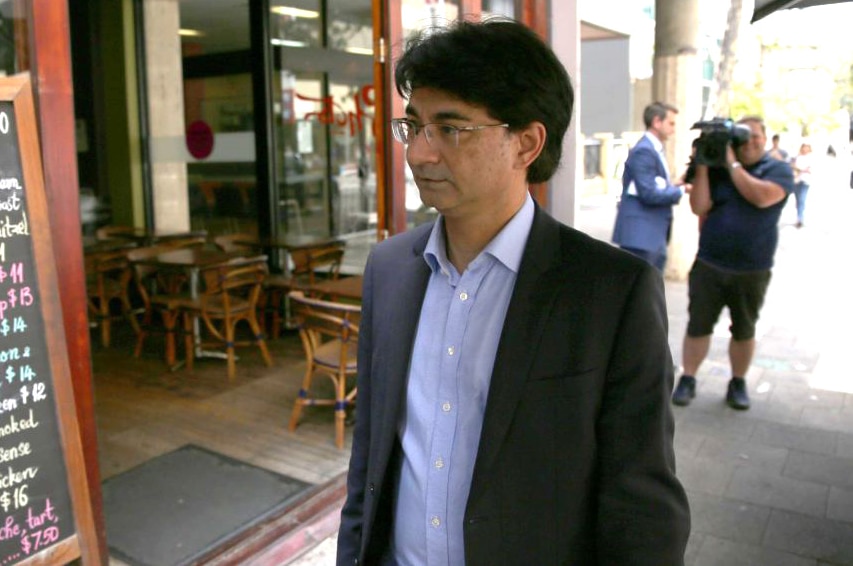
[
  {"x": 736, "y": 396},
  {"x": 685, "y": 391}
]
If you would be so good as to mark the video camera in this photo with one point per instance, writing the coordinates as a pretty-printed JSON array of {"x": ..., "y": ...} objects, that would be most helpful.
[{"x": 715, "y": 135}]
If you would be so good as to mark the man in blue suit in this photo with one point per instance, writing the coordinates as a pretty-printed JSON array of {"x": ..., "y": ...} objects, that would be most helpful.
[
  {"x": 513, "y": 373},
  {"x": 644, "y": 217}
]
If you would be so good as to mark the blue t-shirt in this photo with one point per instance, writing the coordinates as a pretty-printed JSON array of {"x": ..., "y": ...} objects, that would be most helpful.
[{"x": 737, "y": 235}]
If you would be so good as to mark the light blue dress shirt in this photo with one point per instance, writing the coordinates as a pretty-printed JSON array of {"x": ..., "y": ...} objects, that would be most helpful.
[{"x": 458, "y": 332}]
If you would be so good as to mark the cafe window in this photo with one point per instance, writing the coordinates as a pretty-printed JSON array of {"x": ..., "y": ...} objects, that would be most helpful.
[
  {"x": 324, "y": 126},
  {"x": 219, "y": 119},
  {"x": 12, "y": 61},
  {"x": 422, "y": 14},
  {"x": 499, "y": 8}
]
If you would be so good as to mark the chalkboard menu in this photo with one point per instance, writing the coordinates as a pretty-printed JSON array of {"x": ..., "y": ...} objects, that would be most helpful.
[{"x": 38, "y": 434}]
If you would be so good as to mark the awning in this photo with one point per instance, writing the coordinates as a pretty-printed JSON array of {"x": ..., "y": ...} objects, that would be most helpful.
[{"x": 766, "y": 7}]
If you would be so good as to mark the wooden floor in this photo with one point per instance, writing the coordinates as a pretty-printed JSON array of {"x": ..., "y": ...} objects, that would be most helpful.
[{"x": 143, "y": 409}]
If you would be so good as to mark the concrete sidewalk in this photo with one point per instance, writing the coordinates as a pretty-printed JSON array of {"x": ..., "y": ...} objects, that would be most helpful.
[{"x": 772, "y": 486}]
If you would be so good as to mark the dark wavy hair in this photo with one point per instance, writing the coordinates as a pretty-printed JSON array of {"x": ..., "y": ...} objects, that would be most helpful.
[{"x": 499, "y": 65}]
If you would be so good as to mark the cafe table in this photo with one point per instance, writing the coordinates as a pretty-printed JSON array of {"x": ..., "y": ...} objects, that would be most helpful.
[
  {"x": 147, "y": 237},
  {"x": 288, "y": 244},
  {"x": 193, "y": 261}
]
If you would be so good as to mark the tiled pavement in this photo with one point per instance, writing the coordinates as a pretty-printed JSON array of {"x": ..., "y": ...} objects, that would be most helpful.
[{"x": 772, "y": 486}]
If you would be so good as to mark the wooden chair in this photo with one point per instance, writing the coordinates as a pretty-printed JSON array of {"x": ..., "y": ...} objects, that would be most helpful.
[
  {"x": 329, "y": 333},
  {"x": 107, "y": 279},
  {"x": 308, "y": 263},
  {"x": 162, "y": 295},
  {"x": 231, "y": 295}
]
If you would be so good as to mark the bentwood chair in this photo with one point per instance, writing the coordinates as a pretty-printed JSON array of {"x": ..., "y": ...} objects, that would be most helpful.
[
  {"x": 107, "y": 280},
  {"x": 324, "y": 260},
  {"x": 230, "y": 296},
  {"x": 162, "y": 294},
  {"x": 329, "y": 334}
]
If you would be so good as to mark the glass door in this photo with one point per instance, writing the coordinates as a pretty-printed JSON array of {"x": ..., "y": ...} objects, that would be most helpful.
[{"x": 324, "y": 130}]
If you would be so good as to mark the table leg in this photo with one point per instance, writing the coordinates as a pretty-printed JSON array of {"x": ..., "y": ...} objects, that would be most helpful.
[{"x": 199, "y": 351}]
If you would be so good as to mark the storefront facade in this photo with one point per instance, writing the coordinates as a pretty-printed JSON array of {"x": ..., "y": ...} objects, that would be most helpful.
[{"x": 268, "y": 117}]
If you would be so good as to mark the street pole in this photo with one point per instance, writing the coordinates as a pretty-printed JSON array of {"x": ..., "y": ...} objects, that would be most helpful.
[{"x": 677, "y": 80}]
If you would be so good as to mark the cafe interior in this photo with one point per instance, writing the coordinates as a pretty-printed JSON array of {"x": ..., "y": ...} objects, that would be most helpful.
[{"x": 233, "y": 174}]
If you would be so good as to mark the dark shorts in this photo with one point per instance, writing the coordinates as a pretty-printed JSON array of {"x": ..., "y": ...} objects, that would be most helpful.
[{"x": 711, "y": 289}]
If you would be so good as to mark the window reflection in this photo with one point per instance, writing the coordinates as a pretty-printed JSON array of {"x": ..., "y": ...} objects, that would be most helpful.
[
  {"x": 200, "y": 33},
  {"x": 8, "y": 60},
  {"x": 325, "y": 108},
  {"x": 420, "y": 14},
  {"x": 353, "y": 158},
  {"x": 498, "y": 8},
  {"x": 350, "y": 27},
  {"x": 295, "y": 23},
  {"x": 221, "y": 181},
  {"x": 301, "y": 143}
]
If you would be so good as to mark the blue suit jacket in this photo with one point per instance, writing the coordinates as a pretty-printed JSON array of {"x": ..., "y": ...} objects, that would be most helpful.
[
  {"x": 643, "y": 221},
  {"x": 575, "y": 464}
]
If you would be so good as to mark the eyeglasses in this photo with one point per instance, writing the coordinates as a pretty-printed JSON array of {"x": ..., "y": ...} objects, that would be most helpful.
[{"x": 405, "y": 131}]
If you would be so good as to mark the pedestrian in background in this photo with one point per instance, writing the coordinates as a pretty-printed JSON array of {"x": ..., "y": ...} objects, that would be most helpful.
[
  {"x": 513, "y": 372},
  {"x": 741, "y": 204},
  {"x": 777, "y": 152},
  {"x": 802, "y": 165},
  {"x": 644, "y": 218}
]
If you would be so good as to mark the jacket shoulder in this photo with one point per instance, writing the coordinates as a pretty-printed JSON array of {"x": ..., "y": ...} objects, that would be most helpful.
[
  {"x": 594, "y": 256},
  {"x": 579, "y": 252}
]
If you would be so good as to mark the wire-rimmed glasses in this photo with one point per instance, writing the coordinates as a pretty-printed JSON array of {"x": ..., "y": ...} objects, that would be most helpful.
[{"x": 446, "y": 135}]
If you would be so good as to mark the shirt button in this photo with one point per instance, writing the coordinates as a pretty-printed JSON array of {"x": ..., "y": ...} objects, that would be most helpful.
[
  {"x": 435, "y": 522},
  {"x": 445, "y": 406},
  {"x": 451, "y": 350},
  {"x": 463, "y": 296},
  {"x": 439, "y": 463}
]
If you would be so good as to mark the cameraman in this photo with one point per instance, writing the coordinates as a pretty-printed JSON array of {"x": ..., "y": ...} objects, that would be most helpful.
[{"x": 741, "y": 204}]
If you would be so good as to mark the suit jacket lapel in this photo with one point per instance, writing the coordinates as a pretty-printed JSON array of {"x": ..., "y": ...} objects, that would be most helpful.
[
  {"x": 531, "y": 299},
  {"x": 410, "y": 277}
]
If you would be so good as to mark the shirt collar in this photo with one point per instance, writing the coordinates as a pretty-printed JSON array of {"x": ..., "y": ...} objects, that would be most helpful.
[
  {"x": 656, "y": 143},
  {"x": 507, "y": 246}
]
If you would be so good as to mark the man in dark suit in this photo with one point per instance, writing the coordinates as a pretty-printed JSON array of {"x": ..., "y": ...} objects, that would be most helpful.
[
  {"x": 514, "y": 374},
  {"x": 644, "y": 217}
]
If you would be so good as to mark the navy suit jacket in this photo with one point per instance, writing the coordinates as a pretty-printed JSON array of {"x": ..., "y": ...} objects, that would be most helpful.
[
  {"x": 575, "y": 464},
  {"x": 643, "y": 220}
]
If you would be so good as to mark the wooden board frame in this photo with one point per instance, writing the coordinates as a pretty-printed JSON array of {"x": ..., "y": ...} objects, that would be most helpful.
[{"x": 83, "y": 542}]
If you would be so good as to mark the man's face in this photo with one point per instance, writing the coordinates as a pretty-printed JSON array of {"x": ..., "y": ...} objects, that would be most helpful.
[
  {"x": 664, "y": 127},
  {"x": 753, "y": 150},
  {"x": 478, "y": 178}
]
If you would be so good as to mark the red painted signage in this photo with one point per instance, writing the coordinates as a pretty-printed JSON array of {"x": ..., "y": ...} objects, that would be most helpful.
[{"x": 200, "y": 139}]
